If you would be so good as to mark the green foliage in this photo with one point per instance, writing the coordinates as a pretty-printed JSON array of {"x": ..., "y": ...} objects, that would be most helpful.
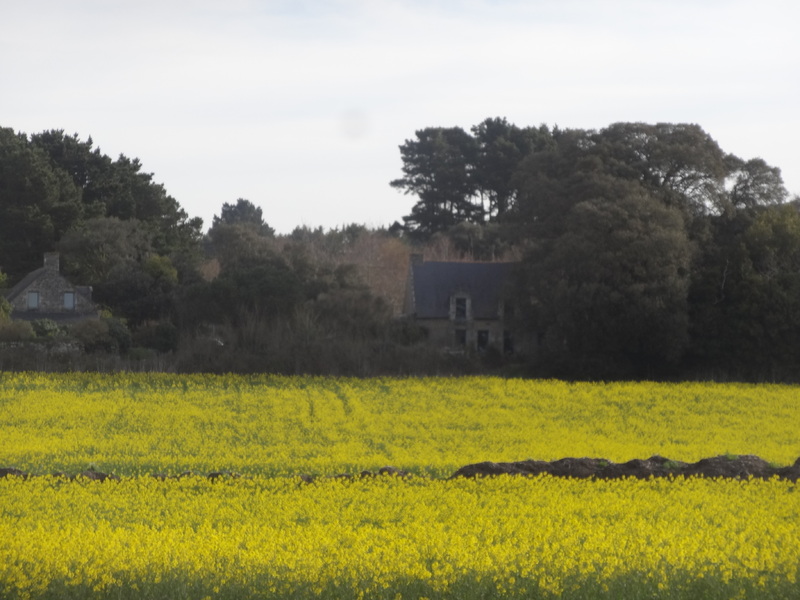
[
  {"x": 235, "y": 245},
  {"x": 161, "y": 336},
  {"x": 107, "y": 335},
  {"x": 92, "y": 334},
  {"x": 117, "y": 258},
  {"x": 642, "y": 250},
  {"x": 609, "y": 289},
  {"x": 754, "y": 183},
  {"x": 120, "y": 335},
  {"x": 243, "y": 213},
  {"x": 462, "y": 177},
  {"x": 118, "y": 188},
  {"x": 47, "y": 328},
  {"x": 16, "y": 331},
  {"x": 107, "y": 218},
  {"x": 160, "y": 269},
  {"x": 268, "y": 286},
  {"x": 501, "y": 148},
  {"x": 5, "y": 309},
  {"x": 479, "y": 242},
  {"x": 406, "y": 332},
  {"x": 95, "y": 249},
  {"x": 647, "y": 250},
  {"x": 436, "y": 167},
  {"x": 37, "y": 204},
  {"x": 350, "y": 313},
  {"x": 746, "y": 294},
  {"x": 680, "y": 164}
]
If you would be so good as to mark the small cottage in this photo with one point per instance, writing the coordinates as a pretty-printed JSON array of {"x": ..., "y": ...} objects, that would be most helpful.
[
  {"x": 46, "y": 294},
  {"x": 463, "y": 305}
]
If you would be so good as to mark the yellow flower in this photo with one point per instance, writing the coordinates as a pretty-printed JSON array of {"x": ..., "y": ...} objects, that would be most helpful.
[{"x": 268, "y": 534}]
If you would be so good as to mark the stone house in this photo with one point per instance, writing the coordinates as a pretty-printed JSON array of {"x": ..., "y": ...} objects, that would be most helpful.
[
  {"x": 463, "y": 306},
  {"x": 46, "y": 294}
]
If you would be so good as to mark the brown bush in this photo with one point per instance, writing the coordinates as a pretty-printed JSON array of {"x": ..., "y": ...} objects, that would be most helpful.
[{"x": 16, "y": 331}]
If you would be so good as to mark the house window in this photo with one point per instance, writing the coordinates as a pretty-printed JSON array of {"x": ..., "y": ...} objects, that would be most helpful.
[
  {"x": 461, "y": 308},
  {"x": 33, "y": 300},
  {"x": 483, "y": 339},
  {"x": 461, "y": 338},
  {"x": 69, "y": 300}
]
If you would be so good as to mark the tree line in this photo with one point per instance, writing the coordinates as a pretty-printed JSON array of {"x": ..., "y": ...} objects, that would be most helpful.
[
  {"x": 646, "y": 250},
  {"x": 237, "y": 297},
  {"x": 643, "y": 251}
]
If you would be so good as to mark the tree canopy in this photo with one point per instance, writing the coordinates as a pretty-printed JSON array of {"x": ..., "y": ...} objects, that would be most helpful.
[
  {"x": 52, "y": 183},
  {"x": 641, "y": 250},
  {"x": 38, "y": 203},
  {"x": 646, "y": 249},
  {"x": 243, "y": 213},
  {"x": 464, "y": 177}
]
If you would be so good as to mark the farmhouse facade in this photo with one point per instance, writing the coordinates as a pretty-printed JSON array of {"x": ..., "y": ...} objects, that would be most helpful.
[
  {"x": 463, "y": 306},
  {"x": 46, "y": 294}
]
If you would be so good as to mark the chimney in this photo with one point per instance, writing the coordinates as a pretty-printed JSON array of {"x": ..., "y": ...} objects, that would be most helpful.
[{"x": 51, "y": 261}]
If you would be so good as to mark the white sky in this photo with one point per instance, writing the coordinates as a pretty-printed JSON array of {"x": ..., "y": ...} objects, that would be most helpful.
[{"x": 300, "y": 106}]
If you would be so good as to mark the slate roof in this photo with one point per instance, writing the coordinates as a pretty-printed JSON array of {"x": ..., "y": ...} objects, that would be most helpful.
[{"x": 434, "y": 283}]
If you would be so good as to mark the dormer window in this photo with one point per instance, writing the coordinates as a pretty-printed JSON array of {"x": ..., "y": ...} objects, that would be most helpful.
[
  {"x": 460, "y": 308},
  {"x": 69, "y": 300},
  {"x": 33, "y": 301}
]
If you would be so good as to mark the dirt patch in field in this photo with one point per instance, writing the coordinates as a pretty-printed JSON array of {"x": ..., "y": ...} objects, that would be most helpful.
[
  {"x": 727, "y": 466},
  {"x": 736, "y": 467}
]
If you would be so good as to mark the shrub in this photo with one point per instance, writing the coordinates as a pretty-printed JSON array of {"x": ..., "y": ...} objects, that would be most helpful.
[
  {"x": 102, "y": 335},
  {"x": 161, "y": 336},
  {"x": 120, "y": 334},
  {"x": 92, "y": 334},
  {"x": 16, "y": 331},
  {"x": 46, "y": 328},
  {"x": 5, "y": 309}
]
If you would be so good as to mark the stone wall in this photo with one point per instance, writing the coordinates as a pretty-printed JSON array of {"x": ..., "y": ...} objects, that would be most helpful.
[{"x": 442, "y": 333}]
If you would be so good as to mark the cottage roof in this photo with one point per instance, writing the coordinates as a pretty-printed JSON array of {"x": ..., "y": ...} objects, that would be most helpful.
[
  {"x": 33, "y": 276},
  {"x": 51, "y": 287},
  {"x": 25, "y": 282},
  {"x": 434, "y": 283}
]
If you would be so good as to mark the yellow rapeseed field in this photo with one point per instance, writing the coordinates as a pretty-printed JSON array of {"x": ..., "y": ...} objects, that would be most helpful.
[
  {"x": 269, "y": 534},
  {"x": 266, "y": 425},
  {"x": 390, "y": 538}
]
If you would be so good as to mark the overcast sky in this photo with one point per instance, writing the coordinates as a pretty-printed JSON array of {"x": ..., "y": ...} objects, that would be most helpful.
[{"x": 300, "y": 105}]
